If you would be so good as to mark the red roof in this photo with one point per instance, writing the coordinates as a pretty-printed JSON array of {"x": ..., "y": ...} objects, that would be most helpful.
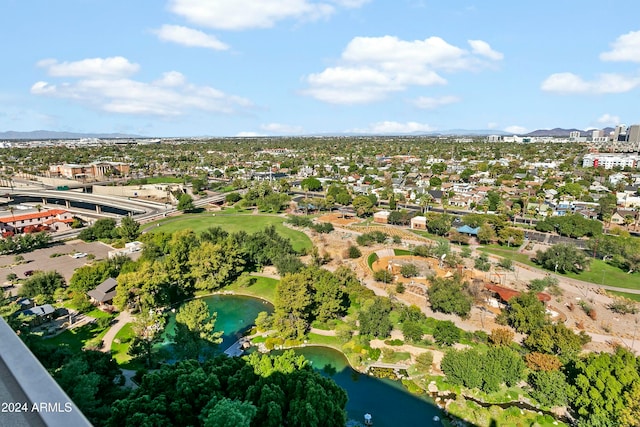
[
  {"x": 33, "y": 215},
  {"x": 506, "y": 294}
]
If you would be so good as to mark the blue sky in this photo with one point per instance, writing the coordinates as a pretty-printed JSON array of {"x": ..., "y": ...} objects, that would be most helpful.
[{"x": 288, "y": 67}]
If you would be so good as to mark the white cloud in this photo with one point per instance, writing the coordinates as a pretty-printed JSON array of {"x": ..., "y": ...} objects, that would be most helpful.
[
  {"x": 429, "y": 103},
  {"x": 170, "y": 95},
  {"x": 608, "y": 120},
  {"x": 248, "y": 134},
  {"x": 516, "y": 130},
  {"x": 569, "y": 83},
  {"x": 281, "y": 129},
  {"x": 625, "y": 48},
  {"x": 189, "y": 37},
  {"x": 246, "y": 14},
  {"x": 116, "y": 66},
  {"x": 350, "y": 4},
  {"x": 171, "y": 79},
  {"x": 373, "y": 67},
  {"x": 391, "y": 127},
  {"x": 482, "y": 48}
]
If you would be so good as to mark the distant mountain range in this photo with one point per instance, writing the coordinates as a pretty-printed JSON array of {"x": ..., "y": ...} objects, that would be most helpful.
[
  {"x": 47, "y": 134},
  {"x": 559, "y": 132}
]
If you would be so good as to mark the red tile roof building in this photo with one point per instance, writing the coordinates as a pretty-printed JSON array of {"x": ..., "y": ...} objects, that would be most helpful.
[{"x": 56, "y": 219}]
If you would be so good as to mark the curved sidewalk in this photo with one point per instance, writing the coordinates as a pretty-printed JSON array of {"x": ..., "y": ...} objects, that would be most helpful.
[{"x": 123, "y": 318}]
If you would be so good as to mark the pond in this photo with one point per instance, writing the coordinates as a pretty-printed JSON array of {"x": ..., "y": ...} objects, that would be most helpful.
[
  {"x": 236, "y": 314},
  {"x": 389, "y": 403}
]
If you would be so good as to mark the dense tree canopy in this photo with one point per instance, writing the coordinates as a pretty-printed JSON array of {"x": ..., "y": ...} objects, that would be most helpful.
[
  {"x": 308, "y": 295},
  {"x": 573, "y": 225},
  {"x": 195, "y": 329},
  {"x": 258, "y": 391},
  {"x": 604, "y": 388},
  {"x": 525, "y": 313},
  {"x": 563, "y": 258},
  {"x": 449, "y": 296}
]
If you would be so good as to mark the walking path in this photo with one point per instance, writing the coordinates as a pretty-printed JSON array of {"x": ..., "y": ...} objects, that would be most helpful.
[{"x": 123, "y": 318}]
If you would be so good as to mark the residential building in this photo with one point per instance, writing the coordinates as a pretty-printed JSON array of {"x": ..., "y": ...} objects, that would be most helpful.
[
  {"x": 381, "y": 217},
  {"x": 54, "y": 219},
  {"x": 104, "y": 293},
  {"x": 609, "y": 161},
  {"x": 419, "y": 223}
]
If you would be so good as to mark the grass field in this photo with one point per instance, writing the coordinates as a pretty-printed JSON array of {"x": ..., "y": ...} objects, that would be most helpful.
[
  {"x": 602, "y": 273},
  {"x": 324, "y": 340},
  {"x": 76, "y": 338},
  {"x": 233, "y": 223},
  {"x": 373, "y": 257},
  {"x": 119, "y": 351},
  {"x": 264, "y": 287},
  {"x": 599, "y": 273}
]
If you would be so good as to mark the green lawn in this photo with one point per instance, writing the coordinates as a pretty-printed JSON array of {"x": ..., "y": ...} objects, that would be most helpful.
[
  {"x": 602, "y": 273},
  {"x": 233, "y": 223},
  {"x": 76, "y": 338},
  {"x": 119, "y": 351},
  {"x": 599, "y": 273},
  {"x": 402, "y": 252},
  {"x": 372, "y": 258},
  {"x": 324, "y": 340},
  {"x": 264, "y": 287}
]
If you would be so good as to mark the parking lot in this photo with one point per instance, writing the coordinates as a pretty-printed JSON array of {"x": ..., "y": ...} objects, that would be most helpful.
[{"x": 42, "y": 260}]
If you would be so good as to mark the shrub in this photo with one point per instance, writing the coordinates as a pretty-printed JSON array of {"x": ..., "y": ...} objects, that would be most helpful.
[
  {"x": 353, "y": 252},
  {"x": 620, "y": 306},
  {"x": 506, "y": 263},
  {"x": 424, "y": 362},
  {"x": 409, "y": 270},
  {"x": 539, "y": 285},
  {"x": 374, "y": 353},
  {"x": 400, "y": 288},
  {"x": 383, "y": 276},
  {"x": 324, "y": 227},
  {"x": 387, "y": 355},
  {"x": 501, "y": 336}
]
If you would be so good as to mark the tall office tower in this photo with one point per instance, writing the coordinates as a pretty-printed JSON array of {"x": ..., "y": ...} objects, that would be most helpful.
[
  {"x": 633, "y": 137},
  {"x": 620, "y": 133}
]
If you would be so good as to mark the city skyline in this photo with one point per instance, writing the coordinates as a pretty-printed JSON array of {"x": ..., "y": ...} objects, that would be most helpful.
[{"x": 300, "y": 67}]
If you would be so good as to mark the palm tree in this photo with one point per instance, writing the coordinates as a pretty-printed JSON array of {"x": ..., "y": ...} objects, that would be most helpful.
[{"x": 425, "y": 200}]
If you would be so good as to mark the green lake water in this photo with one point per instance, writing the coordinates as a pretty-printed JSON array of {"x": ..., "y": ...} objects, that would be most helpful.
[
  {"x": 387, "y": 401},
  {"x": 236, "y": 314}
]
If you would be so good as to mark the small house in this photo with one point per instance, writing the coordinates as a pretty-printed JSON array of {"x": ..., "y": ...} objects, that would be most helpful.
[
  {"x": 42, "y": 314},
  {"x": 104, "y": 293},
  {"x": 381, "y": 217},
  {"x": 419, "y": 223}
]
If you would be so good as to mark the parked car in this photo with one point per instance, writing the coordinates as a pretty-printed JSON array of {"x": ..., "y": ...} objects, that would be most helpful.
[
  {"x": 79, "y": 255},
  {"x": 29, "y": 273}
]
